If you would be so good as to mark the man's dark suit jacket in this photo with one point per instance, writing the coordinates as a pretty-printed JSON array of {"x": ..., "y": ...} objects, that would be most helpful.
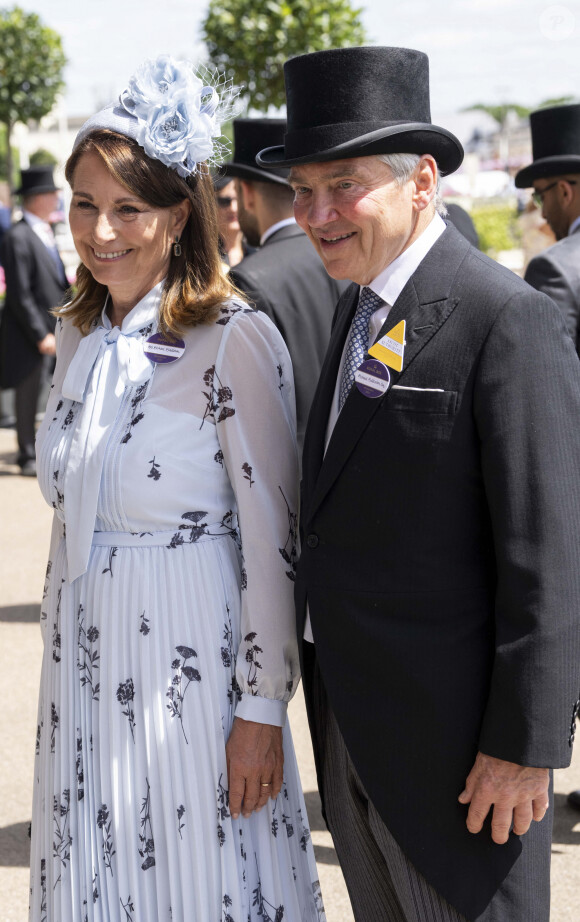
[
  {"x": 33, "y": 287},
  {"x": 287, "y": 280},
  {"x": 440, "y": 549},
  {"x": 556, "y": 272}
]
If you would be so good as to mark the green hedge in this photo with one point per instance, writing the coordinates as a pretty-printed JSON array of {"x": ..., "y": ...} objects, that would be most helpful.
[{"x": 497, "y": 227}]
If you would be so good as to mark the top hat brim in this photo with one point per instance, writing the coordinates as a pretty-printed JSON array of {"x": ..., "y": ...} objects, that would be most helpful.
[
  {"x": 545, "y": 167},
  {"x": 254, "y": 173},
  {"x": 411, "y": 138},
  {"x": 37, "y": 190}
]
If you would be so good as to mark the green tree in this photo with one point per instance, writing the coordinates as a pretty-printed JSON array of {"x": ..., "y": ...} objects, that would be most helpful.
[
  {"x": 31, "y": 66},
  {"x": 500, "y": 112},
  {"x": 43, "y": 157},
  {"x": 251, "y": 39}
]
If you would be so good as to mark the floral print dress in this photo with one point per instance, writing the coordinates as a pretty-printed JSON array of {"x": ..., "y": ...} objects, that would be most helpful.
[{"x": 167, "y": 609}]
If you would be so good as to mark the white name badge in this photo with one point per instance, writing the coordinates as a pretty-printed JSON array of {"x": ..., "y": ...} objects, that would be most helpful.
[
  {"x": 162, "y": 351},
  {"x": 372, "y": 378}
]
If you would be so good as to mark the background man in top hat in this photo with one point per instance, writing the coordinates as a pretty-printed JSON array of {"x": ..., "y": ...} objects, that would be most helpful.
[
  {"x": 284, "y": 277},
  {"x": 441, "y": 528},
  {"x": 35, "y": 283},
  {"x": 555, "y": 176}
]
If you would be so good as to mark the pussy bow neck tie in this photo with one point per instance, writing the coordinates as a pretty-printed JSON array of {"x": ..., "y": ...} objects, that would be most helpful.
[{"x": 106, "y": 362}]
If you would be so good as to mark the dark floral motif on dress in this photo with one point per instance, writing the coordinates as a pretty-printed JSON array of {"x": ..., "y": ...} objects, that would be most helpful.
[
  {"x": 125, "y": 697},
  {"x": 155, "y": 472},
  {"x": 197, "y": 528},
  {"x": 219, "y": 457},
  {"x": 180, "y": 814},
  {"x": 227, "y": 902},
  {"x": 79, "y": 767},
  {"x": 248, "y": 470},
  {"x": 144, "y": 626},
  {"x": 317, "y": 893},
  {"x": 229, "y": 660},
  {"x": 243, "y": 579},
  {"x": 43, "y": 902},
  {"x": 228, "y": 312},
  {"x": 58, "y": 409},
  {"x": 88, "y": 659},
  {"x": 68, "y": 418},
  {"x": 280, "y": 376},
  {"x": 62, "y": 841},
  {"x": 303, "y": 831},
  {"x": 112, "y": 555},
  {"x": 104, "y": 824},
  {"x": 252, "y": 660},
  {"x": 38, "y": 735},
  {"x": 56, "y": 628},
  {"x": 217, "y": 398},
  {"x": 54, "y": 722},
  {"x": 57, "y": 503},
  {"x": 95, "y": 887},
  {"x": 128, "y": 908},
  {"x": 177, "y": 690},
  {"x": 136, "y": 410},
  {"x": 290, "y": 550},
  {"x": 223, "y": 809},
  {"x": 147, "y": 847},
  {"x": 47, "y": 579},
  {"x": 575, "y": 713},
  {"x": 266, "y": 910}
]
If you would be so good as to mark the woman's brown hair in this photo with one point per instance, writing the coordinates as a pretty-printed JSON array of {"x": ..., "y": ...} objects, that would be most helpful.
[{"x": 195, "y": 282}]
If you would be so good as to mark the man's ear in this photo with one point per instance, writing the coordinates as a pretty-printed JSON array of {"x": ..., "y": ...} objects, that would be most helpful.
[
  {"x": 425, "y": 179},
  {"x": 248, "y": 192}
]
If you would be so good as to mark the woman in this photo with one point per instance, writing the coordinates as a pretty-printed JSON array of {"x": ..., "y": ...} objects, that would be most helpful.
[
  {"x": 164, "y": 790},
  {"x": 232, "y": 245}
]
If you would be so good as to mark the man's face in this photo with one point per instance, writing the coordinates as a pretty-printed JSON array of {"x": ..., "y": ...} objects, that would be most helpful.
[
  {"x": 43, "y": 204},
  {"x": 358, "y": 218},
  {"x": 247, "y": 219},
  {"x": 553, "y": 211}
]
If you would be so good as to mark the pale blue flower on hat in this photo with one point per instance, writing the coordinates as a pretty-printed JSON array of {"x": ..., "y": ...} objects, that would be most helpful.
[{"x": 173, "y": 112}]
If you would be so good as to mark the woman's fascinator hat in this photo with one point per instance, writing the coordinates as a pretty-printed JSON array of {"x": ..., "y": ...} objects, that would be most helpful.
[{"x": 174, "y": 112}]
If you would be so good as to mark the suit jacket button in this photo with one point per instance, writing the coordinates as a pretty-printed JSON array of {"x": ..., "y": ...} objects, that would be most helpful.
[{"x": 312, "y": 541}]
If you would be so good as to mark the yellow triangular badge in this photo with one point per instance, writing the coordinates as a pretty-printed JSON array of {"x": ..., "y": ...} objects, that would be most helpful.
[{"x": 391, "y": 347}]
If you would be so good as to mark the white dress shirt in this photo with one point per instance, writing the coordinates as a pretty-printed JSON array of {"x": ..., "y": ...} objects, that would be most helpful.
[{"x": 388, "y": 285}]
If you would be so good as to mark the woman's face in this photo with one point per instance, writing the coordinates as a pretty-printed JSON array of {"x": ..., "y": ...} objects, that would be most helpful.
[
  {"x": 124, "y": 242},
  {"x": 227, "y": 210}
]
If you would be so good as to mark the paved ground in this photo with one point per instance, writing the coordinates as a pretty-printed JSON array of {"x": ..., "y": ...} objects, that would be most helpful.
[{"x": 24, "y": 531}]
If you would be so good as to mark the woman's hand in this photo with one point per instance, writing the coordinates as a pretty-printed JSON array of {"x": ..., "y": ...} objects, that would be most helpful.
[{"x": 255, "y": 760}]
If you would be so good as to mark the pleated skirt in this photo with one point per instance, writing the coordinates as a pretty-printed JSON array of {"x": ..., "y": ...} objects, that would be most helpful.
[{"x": 131, "y": 819}]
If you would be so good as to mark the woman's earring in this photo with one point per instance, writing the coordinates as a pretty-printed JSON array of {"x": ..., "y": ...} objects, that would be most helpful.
[{"x": 177, "y": 247}]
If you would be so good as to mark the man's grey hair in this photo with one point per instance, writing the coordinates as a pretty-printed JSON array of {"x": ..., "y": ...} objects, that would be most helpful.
[{"x": 403, "y": 166}]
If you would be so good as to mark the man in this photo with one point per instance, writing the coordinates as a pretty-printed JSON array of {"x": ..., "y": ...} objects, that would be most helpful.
[
  {"x": 440, "y": 517},
  {"x": 35, "y": 283},
  {"x": 555, "y": 176},
  {"x": 284, "y": 278}
]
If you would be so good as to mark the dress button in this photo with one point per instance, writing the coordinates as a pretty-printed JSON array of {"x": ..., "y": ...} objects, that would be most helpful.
[{"x": 312, "y": 541}]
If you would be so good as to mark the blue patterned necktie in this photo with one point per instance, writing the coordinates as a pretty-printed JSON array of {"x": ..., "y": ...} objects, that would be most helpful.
[{"x": 358, "y": 342}]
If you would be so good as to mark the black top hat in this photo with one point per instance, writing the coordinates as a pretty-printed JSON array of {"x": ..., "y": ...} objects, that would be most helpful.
[
  {"x": 250, "y": 136},
  {"x": 555, "y": 144},
  {"x": 36, "y": 180},
  {"x": 354, "y": 102}
]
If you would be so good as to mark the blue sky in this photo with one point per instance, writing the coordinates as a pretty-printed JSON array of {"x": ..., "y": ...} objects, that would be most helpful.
[{"x": 480, "y": 50}]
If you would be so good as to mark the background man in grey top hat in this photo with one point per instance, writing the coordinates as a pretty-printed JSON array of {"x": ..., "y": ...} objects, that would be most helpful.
[
  {"x": 555, "y": 176},
  {"x": 441, "y": 525},
  {"x": 284, "y": 278},
  {"x": 35, "y": 283}
]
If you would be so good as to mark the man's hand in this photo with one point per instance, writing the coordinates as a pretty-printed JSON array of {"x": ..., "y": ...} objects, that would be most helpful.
[
  {"x": 255, "y": 758},
  {"x": 47, "y": 346},
  {"x": 518, "y": 794}
]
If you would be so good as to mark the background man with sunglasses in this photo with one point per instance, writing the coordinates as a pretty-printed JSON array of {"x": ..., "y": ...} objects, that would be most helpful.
[{"x": 555, "y": 176}]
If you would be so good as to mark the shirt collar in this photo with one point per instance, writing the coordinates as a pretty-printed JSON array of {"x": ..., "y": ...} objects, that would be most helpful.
[
  {"x": 34, "y": 221},
  {"x": 574, "y": 226},
  {"x": 390, "y": 282},
  {"x": 286, "y": 222},
  {"x": 144, "y": 312}
]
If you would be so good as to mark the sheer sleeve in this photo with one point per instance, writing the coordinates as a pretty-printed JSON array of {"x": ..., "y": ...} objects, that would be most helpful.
[{"x": 256, "y": 428}]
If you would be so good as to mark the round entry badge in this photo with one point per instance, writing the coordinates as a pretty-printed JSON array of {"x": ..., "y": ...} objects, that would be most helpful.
[
  {"x": 372, "y": 378},
  {"x": 162, "y": 351}
]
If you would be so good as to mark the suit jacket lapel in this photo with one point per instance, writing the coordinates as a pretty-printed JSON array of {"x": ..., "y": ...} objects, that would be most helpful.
[{"x": 425, "y": 305}]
